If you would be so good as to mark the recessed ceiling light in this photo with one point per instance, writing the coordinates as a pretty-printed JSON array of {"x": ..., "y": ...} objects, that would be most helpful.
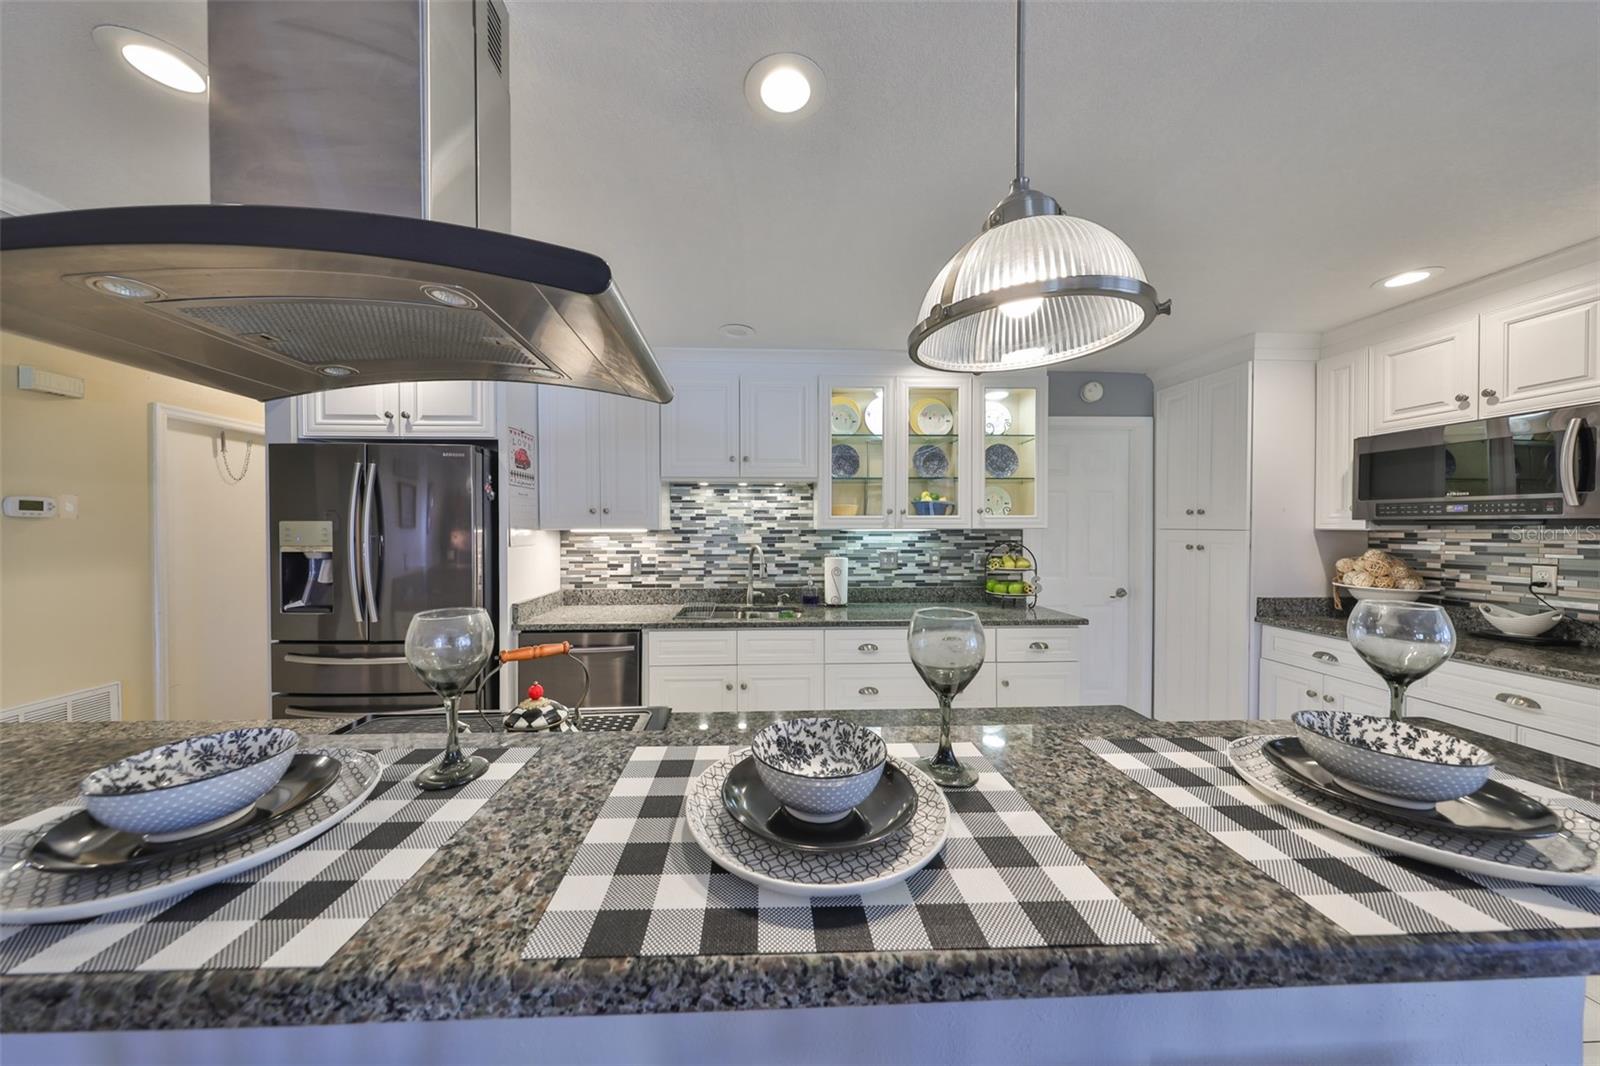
[
  {"x": 785, "y": 85},
  {"x": 1406, "y": 277},
  {"x": 448, "y": 296},
  {"x": 334, "y": 370},
  {"x": 736, "y": 329},
  {"x": 161, "y": 62}
]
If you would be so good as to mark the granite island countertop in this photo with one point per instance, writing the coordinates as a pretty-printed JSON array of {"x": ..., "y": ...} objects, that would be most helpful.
[
  {"x": 856, "y": 615},
  {"x": 1572, "y": 662},
  {"x": 447, "y": 945}
]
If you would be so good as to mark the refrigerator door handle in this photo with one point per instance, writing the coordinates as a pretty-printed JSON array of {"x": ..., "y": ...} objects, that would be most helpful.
[
  {"x": 354, "y": 569},
  {"x": 366, "y": 542}
]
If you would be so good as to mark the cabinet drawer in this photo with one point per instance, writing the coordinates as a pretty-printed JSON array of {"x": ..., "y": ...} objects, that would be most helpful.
[
  {"x": 1521, "y": 699},
  {"x": 1025, "y": 644},
  {"x": 692, "y": 647},
  {"x": 1493, "y": 727},
  {"x": 1577, "y": 750},
  {"x": 867, "y": 646},
  {"x": 780, "y": 646},
  {"x": 1325, "y": 655},
  {"x": 687, "y": 689},
  {"x": 1042, "y": 684},
  {"x": 889, "y": 685}
]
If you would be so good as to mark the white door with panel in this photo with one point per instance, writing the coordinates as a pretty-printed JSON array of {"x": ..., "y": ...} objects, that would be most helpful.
[
  {"x": 1287, "y": 689},
  {"x": 700, "y": 428},
  {"x": 1222, "y": 450},
  {"x": 1093, "y": 553},
  {"x": 1343, "y": 400},
  {"x": 781, "y": 687},
  {"x": 1541, "y": 353},
  {"x": 1177, "y": 430},
  {"x": 1425, "y": 379},
  {"x": 694, "y": 688},
  {"x": 630, "y": 463},
  {"x": 360, "y": 411},
  {"x": 1203, "y": 624},
  {"x": 446, "y": 409},
  {"x": 778, "y": 427},
  {"x": 569, "y": 459}
]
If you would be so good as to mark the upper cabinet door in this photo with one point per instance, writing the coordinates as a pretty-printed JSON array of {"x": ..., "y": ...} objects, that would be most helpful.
[
  {"x": 360, "y": 411},
  {"x": 933, "y": 451},
  {"x": 700, "y": 428},
  {"x": 1177, "y": 435},
  {"x": 447, "y": 409},
  {"x": 778, "y": 427},
  {"x": 569, "y": 458},
  {"x": 1342, "y": 399},
  {"x": 1010, "y": 428},
  {"x": 1222, "y": 449},
  {"x": 630, "y": 463},
  {"x": 1541, "y": 353},
  {"x": 856, "y": 482},
  {"x": 1426, "y": 379}
]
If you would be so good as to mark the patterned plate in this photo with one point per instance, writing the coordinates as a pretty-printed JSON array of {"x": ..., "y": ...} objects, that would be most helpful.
[
  {"x": 846, "y": 461},
  {"x": 29, "y": 896},
  {"x": 1571, "y": 857},
  {"x": 996, "y": 419},
  {"x": 930, "y": 461},
  {"x": 1000, "y": 460},
  {"x": 932, "y": 418},
  {"x": 845, "y": 417},
  {"x": 996, "y": 500},
  {"x": 849, "y": 873}
]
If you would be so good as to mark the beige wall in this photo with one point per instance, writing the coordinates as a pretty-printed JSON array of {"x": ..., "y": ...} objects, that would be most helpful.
[{"x": 75, "y": 595}]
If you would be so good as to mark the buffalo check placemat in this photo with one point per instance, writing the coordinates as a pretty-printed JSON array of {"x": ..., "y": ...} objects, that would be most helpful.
[
  {"x": 1364, "y": 890},
  {"x": 640, "y": 885},
  {"x": 296, "y": 910}
]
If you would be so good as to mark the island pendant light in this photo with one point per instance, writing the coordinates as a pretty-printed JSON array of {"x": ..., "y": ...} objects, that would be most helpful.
[{"x": 1037, "y": 286}]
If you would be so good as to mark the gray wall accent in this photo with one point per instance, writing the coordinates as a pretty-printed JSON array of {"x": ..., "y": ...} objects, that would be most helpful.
[{"x": 1127, "y": 395}]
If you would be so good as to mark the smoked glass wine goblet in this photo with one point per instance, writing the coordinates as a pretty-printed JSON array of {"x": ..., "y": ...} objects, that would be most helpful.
[
  {"x": 947, "y": 650},
  {"x": 448, "y": 649},
  {"x": 1404, "y": 642}
]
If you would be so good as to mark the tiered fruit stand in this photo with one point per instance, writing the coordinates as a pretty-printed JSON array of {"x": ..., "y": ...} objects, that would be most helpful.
[{"x": 1011, "y": 564}]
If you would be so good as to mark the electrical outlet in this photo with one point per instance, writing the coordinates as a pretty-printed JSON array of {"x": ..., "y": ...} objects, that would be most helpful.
[
  {"x": 1544, "y": 578},
  {"x": 888, "y": 559}
]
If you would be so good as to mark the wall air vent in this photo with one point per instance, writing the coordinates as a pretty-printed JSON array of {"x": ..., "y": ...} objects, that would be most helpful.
[
  {"x": 494, "y": 36},
  {"x": 103, "y": 704}
]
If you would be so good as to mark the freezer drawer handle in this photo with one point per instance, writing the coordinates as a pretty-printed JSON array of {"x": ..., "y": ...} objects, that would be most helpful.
[
  {"x": 1325, "y": 656},
  {"x": 1523, "y": 703},
  {"x": 346, "y": 660}
]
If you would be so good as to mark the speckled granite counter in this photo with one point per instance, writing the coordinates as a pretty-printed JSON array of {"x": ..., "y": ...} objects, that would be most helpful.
[
  {"x": 447, "y": 945},
  {"x": 1577, "y": 663},
  {"x": 865, "y": 615}
]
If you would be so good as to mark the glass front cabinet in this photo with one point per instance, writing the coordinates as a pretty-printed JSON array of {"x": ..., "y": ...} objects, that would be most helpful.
[{"x": 932, "y": 451}]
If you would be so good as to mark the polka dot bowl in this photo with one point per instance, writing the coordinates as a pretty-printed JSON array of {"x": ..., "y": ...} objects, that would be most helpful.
[
  {"x": 818, "y": 768},
  {"x": 188, "y": 784},
  {"x": 1393, "y": 759}
]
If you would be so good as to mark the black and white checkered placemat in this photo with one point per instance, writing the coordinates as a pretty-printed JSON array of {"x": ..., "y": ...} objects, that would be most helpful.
[
  {"x": 296, "y": 910},
  {"x": 640, "y": 885},
  {"x": 1364, "y": 890}
]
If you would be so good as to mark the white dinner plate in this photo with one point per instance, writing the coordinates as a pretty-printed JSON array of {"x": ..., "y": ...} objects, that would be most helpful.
[
  {"x": 996, "y": 419},
  {"x": 799, "y": 873},
  {"x": 1571, "y": 857},
  {"x": 932, "y": 418},
  {"x": 873, "y": 416},
  {"x": 846, "y": 418}
]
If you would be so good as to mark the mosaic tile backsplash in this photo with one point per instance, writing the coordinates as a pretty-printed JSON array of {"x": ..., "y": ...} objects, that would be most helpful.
[
  {"x": 713, "y": 527},
  {"x": 1478, "y": 563}
]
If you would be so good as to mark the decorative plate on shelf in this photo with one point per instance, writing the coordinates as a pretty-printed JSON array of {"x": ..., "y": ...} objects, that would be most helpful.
[
  {"x": 849, "y": 873},
  {"x": 846, "y": 417},
  {"x": 931, "y": 418},
  {"x": 1000, "y": 460},
  {"x": 997, "y": 501},
  {"x": 846, "y": 461},
  {"x": 930, "y": 461},
  {"x": 996, "y": 419},
  {"x": 873, "y": 415}
]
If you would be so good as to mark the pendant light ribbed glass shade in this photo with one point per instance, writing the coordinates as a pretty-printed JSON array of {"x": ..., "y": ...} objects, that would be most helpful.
[{"x": 1084, "y": 286}]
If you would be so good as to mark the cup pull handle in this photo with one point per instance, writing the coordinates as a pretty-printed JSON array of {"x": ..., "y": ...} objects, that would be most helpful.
[
  {"x": 1038, "y": 645},
  {"x": 868, "y": 648},
  {"x": 1325, "y": 656},
  {"x": 1523, "y": 703},
  {"x": 868, "y": 690}
]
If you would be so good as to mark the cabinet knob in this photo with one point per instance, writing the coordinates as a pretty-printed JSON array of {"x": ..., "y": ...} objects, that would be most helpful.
[
  {"x": 732, "y": 459},
  {"x": 888, "y": 510},
  {"x": 1199, "y": 547},
  {"x": 605, "y": 510},
  {"x": 1004, "y": 683},
  {"x": 1188, "y": 510},
  {"x": 744, "y": 685},
  {"x": 591, "y": 510},
  {"x": 1199, "y": 510},
  {"x": 1311, "y": 692},
  {"x": 1327, "y": 699},
  {"x": 1487, "y": 394},
  {"x": 388, "y": 416},
  {"x": 728, "y": 686},
  {"x": 1462, "y": 397},
  {"x": 902, "y": 510},
  {"x": 747, "y": 458},
  {"x": 867, "y": 690},
  {"x": 406, "y": 415},
  {"x": 1186, "y": 547}
]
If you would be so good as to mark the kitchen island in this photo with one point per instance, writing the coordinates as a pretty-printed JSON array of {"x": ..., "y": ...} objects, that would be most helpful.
[{"x": 1246, "y": 970}]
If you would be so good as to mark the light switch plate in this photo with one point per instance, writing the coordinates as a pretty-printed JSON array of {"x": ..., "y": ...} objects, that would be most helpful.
[
  {"x": 888, "y": 559},
  {"x": 69, "y": 506},
  {"x": 1544, "y": 577}
]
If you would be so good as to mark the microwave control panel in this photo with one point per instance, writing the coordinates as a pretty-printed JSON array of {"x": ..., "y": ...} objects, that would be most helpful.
[{"x": 1526, "y": 508}]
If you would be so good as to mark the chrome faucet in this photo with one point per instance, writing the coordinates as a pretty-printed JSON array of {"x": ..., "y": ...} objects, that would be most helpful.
[{"x": 750, "y": 573}]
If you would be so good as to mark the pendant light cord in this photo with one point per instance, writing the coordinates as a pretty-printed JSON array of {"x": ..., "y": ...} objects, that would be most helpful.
[{"x": 1021, "y": 181}]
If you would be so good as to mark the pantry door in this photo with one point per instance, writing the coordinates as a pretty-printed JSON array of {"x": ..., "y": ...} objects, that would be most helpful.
[{"x": 1094, "y": 553}]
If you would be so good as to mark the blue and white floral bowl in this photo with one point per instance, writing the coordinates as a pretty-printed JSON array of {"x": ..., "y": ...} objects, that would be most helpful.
[
  {"x": 1382, "y": 759},
  {"x": 188, "y": 784},
  {"x": 818, "y": 768}
]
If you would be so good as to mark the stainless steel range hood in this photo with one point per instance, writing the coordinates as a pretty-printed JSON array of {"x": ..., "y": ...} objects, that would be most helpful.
[{"x": 321, "y": 115}]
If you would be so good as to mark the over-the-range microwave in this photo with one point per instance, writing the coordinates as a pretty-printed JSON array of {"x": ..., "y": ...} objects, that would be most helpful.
[{"x": 1535, "y": 466}]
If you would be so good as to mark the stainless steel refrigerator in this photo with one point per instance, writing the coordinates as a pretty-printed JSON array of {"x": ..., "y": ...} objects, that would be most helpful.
[{"x": 363, "y": 536}]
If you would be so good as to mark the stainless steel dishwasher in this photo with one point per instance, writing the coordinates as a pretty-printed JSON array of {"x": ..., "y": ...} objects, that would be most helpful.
[{"x": 615, "y": 660}]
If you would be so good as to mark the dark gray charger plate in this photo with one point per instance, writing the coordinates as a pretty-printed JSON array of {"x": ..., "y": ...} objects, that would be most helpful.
[
  {"x": 80, "y": 843},
  {"x": 1493, "y": 810},
  {"x": 888, "y": 809}
]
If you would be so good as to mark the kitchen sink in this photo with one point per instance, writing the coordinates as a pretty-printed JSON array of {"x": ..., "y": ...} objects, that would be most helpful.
[{"x": 736, "y": 612}]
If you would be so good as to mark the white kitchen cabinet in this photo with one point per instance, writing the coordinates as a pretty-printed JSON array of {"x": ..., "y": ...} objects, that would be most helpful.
[
  {"x": 453, "y": 410},
  {"x": 598, "y": 461},
  {"x": 935, "y": 451},
  {"x": 1013, "y": 423},
  {"x": 1202, "y": 624},
  {"x": 693, "y": 688},
  {"x": 1037, "y": 684},
  {"x": 1493, "y": 727},
  {"x": 857, "y": 486},
  {"x": 891, "y": 685},
  {"x": 1357, "y": 699},
  {"x": 781, "y": 687},
  {"x": 1203, "y": 445},
  {"x": 724, "y": 425},
  {"x": 1283, "y": 690},
  {"x": 700, "y": 428},
  {"x": 1425, "y": 379},
  {"x": 1343, "y": 403},
  {"x": 981, "y": 692},
  {"x": 1541, "y": 352}
]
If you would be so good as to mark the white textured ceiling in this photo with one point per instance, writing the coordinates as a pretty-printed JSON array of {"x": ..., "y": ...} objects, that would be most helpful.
[{"x": 1267, "y": 161}]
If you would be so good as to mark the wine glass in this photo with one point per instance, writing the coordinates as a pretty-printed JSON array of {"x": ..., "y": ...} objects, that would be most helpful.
[
  {"x": 1402, "y": 641},
  {"x": 448, "y": 649},
  {"x": 947, "y": 650}
]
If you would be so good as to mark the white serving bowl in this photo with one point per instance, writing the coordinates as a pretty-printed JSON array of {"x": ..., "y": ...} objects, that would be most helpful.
[
  {"x": 1383, "y": 759},
  {"x": 1362, "y": 592},
  {"x": 818, "y": 768},
  {"x": 187, "y": 784},
  {"x": 1517, "y": 622}
]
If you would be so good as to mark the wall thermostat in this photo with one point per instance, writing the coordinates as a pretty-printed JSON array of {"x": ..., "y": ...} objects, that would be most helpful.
[
  {"x": 1092, "y": 391},
  {"x": 30, "y": 507}
]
